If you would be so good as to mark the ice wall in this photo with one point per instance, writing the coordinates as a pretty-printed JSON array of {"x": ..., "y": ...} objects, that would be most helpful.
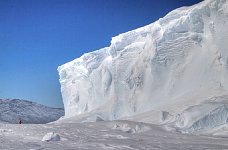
[{"x": 169, "y": 65}]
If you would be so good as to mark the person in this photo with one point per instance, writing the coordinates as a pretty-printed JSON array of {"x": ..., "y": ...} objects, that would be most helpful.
[{"x": 20, "y": 122}]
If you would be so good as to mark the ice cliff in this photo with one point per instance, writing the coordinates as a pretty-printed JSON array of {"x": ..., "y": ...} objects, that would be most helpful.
[{"x": 171, "y": 65}]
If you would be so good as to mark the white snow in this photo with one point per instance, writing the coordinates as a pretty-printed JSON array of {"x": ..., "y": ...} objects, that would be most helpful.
[
  {"x": 102, "y": 136},
  {"x": 170, "y": 67},
  {"x": 129, "y": 128}
]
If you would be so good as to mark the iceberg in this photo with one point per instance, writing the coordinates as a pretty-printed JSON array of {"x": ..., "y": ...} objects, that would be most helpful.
[{"x": 170, "y": 65}]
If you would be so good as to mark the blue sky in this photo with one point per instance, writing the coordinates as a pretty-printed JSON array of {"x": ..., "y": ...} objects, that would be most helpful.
[{"x": 36, "y": 36}]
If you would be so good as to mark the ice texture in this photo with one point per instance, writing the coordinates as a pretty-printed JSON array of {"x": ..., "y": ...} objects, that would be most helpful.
[{"x": 164, "y": 68}]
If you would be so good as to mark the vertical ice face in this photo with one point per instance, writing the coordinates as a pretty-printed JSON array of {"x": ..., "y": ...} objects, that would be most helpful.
[
  {"x": 163, "y": 64},
  {"x": 85, "y": 82}
]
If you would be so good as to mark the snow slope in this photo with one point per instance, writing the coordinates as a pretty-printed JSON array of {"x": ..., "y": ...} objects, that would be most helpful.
[
  {"x": 167, "y": 70},
  {"x": 11, "y": 110}
]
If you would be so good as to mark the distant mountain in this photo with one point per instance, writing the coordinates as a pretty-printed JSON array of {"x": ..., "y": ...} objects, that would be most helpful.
[{"x": 12, "y": 110}]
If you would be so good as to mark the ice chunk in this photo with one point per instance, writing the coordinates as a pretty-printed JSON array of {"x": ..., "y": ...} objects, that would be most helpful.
[{"x": 51, "y": 136}]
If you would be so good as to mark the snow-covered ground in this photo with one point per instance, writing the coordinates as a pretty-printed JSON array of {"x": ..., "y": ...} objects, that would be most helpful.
[
  {"x": 13, "y": 110},
  {"x": 119, "y": 135}
]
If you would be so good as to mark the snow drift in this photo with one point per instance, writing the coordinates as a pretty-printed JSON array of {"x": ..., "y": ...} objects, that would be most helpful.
[
  {"x": 209, "y": 114},
  {"x": 171, "y": 65},
  {"x": 11, "y": 110}
]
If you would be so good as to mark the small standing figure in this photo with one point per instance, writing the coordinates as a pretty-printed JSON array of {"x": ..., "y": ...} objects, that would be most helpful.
[{"x": 20, "y": 122}]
